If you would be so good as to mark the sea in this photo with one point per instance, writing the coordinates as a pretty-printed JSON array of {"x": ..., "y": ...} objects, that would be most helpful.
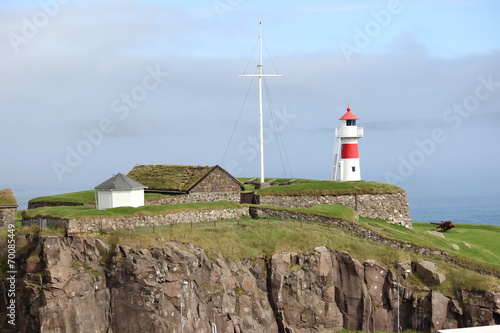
[
  {"x": 428, "y": 202},
  {"x": 469, "y": 204}
]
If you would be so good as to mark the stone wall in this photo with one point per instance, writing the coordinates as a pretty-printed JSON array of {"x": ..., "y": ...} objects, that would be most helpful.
[
  {"x": 87, "y": 224},
  {"x": 217, "y": 181},
  {"x": 7, "y": 216},
  {"x": 44, "y": 222},
  {"x": 195, "y": 197},
  {"x": 38, "y": 204},
  {"x": 394, "y": 208}
]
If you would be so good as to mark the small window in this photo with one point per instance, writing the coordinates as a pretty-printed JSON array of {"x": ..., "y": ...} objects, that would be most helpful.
[
  {"x": 353, "y": 169},
  {"x": 351, "y": 122}
]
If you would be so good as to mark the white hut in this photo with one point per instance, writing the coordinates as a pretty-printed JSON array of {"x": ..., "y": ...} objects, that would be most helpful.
[{"x": 120, "y": 191}]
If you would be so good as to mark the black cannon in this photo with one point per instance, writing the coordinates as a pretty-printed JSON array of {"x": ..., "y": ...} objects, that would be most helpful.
[{"x": 444, "y": 225}]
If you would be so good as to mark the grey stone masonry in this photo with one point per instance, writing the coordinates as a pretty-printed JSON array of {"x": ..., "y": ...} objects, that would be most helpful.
[
  {"x": 393, "y": 208},
  {"x": 7, "y": 216},
  {"x": 195, "y": 197},
  {"x": 88, "y": 224}
]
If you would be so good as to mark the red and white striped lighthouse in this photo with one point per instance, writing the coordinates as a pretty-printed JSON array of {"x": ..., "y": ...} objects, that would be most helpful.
[{"x": 346, "y": 143}]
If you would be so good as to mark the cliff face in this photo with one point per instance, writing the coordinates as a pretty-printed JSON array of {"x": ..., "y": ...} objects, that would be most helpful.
[{"x": 67, "y": 287}]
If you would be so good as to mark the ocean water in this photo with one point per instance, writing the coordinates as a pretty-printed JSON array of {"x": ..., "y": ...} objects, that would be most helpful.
[
  {"x": 470, "y": 204},
  {"x": 459, "y": 208}
]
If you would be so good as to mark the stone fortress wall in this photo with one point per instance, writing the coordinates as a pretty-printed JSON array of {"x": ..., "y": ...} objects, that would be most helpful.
[
  {"x": 394, "y": 208},
  {"x": 7, "y": 216}
]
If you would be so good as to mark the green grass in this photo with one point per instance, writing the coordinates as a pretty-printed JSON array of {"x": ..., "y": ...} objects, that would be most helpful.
[
  {"x": 70, "y": 212},
  {"x": 169, "y": 177},
  {"x": 483, "y": 239},
  {"x": 341, "y": 212},
  {"x": 81, "y": 197},
  {"x": 298, "y": 187},
  {"x": 253, "y": 239},
  {"x": 345, "y": 213},
  {"x": 257, "y": 238},
  {"x": 484, "y": 248},
  {"x": 326, "y": 187}
]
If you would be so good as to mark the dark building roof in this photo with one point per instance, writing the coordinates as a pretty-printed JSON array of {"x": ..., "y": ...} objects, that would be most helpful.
[
  {"x": 120, "y": 182},
  {"x": 7, "y": 199},
  {"x": 174, "y": 178}
]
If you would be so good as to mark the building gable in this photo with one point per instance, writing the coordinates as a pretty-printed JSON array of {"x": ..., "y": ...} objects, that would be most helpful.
[{"x": 217, "y": 180}]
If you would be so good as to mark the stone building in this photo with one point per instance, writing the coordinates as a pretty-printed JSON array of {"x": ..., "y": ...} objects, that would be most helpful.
[
  {"x": 8, "y": 207},
  {"x": 187, "y": 183}
]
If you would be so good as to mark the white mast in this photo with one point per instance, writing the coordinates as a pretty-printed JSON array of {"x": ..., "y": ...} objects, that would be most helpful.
[{"x": 260, "y": 75}]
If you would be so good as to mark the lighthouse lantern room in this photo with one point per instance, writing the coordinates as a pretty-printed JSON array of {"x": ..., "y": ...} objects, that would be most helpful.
[{"x": 346, "y": 168}]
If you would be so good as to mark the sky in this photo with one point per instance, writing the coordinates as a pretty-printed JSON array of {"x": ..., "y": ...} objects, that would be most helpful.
[{"x": 91, "y": 88}]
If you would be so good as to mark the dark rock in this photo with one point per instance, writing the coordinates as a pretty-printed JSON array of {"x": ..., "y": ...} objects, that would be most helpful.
[
  {"x": 66, "y": 288},
  {"x": 428, "y": 271}
]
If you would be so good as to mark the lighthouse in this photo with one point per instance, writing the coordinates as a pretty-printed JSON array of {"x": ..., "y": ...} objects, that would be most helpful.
[{"x": 346, "y": 168}]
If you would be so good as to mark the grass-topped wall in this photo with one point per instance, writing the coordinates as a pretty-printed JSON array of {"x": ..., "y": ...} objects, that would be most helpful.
[{"x": 325, "y": 187}]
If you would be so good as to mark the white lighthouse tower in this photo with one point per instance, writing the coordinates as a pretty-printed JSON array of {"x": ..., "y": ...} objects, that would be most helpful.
[{"x": 346, "y": 145}]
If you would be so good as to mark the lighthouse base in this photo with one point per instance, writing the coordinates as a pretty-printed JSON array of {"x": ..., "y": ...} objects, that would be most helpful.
[{"x": 349, "y": 169}]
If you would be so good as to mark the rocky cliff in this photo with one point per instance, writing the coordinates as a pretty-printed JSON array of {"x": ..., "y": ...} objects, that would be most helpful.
[{"x": 71, "y": 284}]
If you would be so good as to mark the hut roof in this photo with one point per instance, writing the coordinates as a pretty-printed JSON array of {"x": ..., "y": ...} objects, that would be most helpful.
[
  {"x": 120, "y": 182},
  {"x": 173, "y": 178},
  {"x": 7, "y": 198}
]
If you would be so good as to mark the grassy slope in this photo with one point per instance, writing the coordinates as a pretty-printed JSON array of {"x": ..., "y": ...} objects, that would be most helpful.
[
  {"x": 483, "y": 239},
  {"x": 299, "y": 187},
  {"x": 324, "y": 187},
  {"x": 249, "y": 239},
  {"x": 256, "y": 239},
  {"x": 69, "y": 212},
  {"x": 82, "y": 197},
  {"x": 484, "y": 248},
  {"x": 341, "y": 212}
]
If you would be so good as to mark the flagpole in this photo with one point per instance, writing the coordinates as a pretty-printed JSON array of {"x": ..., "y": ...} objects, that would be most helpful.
[{"x": 260, "y": 74}]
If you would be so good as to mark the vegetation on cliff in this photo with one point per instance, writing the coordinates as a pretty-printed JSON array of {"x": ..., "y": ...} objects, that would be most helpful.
[
  {"x": 470, "y": 243},
  {"x": 248, "y": 239}
]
